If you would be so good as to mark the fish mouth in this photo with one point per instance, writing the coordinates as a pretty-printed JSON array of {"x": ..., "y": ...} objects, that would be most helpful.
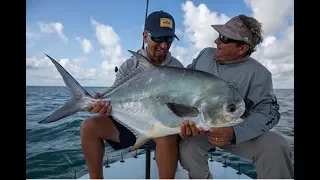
[
  {"x": 232, "y": 123},
  {"x": 227, "y": 119},
  {"x": 224, "y": 118},
  {"x": 223, "y": 122}
]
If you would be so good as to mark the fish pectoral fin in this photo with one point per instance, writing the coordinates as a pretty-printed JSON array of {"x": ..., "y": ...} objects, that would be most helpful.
[
  {"x": 182, "y": 110},
  {"x": 141, "y": 140}
]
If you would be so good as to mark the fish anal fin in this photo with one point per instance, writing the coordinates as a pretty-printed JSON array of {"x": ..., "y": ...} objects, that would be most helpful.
[
  {"x": 141, "y": 140},
  {"x": 160, "y": 130},
  {"x": 182, "y": 110},
  {"x": 157, "y": 130}
]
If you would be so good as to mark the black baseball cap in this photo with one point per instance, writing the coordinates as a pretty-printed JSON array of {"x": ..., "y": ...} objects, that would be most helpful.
[{"x": 160, "y": 23}]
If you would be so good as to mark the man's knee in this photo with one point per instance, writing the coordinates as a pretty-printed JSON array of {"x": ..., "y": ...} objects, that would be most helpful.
[
  {"x": 86, "y": 125},
  {"x": 89, "y": 124},
  {"x": 272, "y": 144},
  {"x": 99, "y": 126},
  {"x": 274, "y": 157},
  {"x": 193, "y": 157},
  {"x": 185, "y": 151},
  {"x": 167, "y": 140}
]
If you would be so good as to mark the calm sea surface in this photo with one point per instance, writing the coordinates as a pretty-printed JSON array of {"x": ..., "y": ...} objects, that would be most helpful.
[{"x": 54, "y": 151}]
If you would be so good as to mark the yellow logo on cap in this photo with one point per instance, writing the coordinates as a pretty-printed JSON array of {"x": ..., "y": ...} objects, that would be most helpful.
[{"x": 165, "y": 22}]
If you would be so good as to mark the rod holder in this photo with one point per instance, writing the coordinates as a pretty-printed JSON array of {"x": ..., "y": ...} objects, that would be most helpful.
[
  {"x": 253, "y": 160},
  {"x": 239, "y": 169},
  {"x": 211, "y": 156},
  {"x": 122, "y": 158},
  {"x": 136, "y": 156},
  {"x": 107, "y": 166},
  {"x": 74, "y": 173},
  {"x": 225, "y": 162}
]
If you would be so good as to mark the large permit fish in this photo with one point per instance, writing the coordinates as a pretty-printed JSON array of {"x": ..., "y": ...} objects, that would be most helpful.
[{"x": 153, "y": 100}]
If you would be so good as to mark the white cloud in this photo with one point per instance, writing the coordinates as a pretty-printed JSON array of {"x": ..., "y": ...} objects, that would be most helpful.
[
  {"x": 197, "y": 21},
  {"x": 37, "y": 63},
  {"x": 103, "y": 75},
  {"x": 111, "y": 50},
  {"x": 183, "y": 54},
  {"x": 42, "y": 67},
  {"x": 197, "y": 31},
  {"x": 272, "y": 14},
  {"x": 85, "y": 44},
  {"x": 53, "y": 27},
  {"x": 31, "y": 36}
]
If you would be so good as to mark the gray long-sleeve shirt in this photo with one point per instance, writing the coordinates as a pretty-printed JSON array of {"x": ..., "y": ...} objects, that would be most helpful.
[
  {"x": 254, "y": 83},
  {"x": 130, "y": 64}
]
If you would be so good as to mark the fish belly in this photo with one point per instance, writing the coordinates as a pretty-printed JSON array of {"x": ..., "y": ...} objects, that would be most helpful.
[
  {"x": 142, "y": 117},
  {"x": 134, "y": 115}
]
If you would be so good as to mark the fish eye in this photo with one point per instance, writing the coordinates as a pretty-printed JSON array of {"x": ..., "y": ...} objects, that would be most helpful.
[{"x": 231, "y": 107}]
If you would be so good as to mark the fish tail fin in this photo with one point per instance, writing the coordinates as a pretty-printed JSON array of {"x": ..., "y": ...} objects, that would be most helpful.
[{"x": 80, "y": 98}]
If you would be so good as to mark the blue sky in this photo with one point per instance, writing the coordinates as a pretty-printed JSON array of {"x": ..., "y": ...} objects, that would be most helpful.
[{"x": 122, "y": 21}]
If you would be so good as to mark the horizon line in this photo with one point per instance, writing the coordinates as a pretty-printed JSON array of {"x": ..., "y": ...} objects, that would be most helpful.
[{"x": 103, "y": 86}]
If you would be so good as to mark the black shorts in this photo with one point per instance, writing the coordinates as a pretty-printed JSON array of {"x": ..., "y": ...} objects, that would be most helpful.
[{"x": 127, "y": 138}]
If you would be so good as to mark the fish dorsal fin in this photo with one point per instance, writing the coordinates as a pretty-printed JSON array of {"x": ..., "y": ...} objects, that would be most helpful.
[
  {"x": 182, "y": 110},
  {"x": 142, "y": 65},
  {"x": 143, "y": 62}
]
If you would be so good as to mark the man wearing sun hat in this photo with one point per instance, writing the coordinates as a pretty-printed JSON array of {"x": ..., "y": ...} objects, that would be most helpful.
[
  {"x": 251, "y": 139},
  {"x": 159, "y": 34}
]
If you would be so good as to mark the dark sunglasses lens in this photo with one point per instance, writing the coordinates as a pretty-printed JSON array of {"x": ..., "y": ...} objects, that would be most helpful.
[
  {"x": 157, "y": 39},
  {"x": 168, "y": 39},
  {"x": 223, "y": 39}
]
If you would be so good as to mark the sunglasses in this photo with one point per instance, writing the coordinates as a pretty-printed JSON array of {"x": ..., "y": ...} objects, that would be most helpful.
[
  {"x": 167, "y": 39},
  {"x": 226, "y": 40}
]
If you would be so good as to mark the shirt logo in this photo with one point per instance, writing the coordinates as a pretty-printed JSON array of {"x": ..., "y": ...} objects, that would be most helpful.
[{"x": 233, "y": 86}]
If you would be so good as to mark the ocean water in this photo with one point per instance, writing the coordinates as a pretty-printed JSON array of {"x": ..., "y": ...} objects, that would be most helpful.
[{"x": 54, "y": 151}]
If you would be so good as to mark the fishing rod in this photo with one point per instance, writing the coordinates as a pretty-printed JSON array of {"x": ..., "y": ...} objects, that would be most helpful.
[
  {"x": 147, "y": 5},
  {"x": 147, "y": 145}
]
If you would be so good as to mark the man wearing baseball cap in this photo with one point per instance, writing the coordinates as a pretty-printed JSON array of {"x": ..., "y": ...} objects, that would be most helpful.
[
  {"x": 159, "y": 33},
  {"x": 160, "y": 24},
  {"x": 251, "y": 139}
]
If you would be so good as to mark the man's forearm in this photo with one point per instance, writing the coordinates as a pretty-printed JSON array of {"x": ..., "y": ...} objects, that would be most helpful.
[{"x": 254, "y": 125}]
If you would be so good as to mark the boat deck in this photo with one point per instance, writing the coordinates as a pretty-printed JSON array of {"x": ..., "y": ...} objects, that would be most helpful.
[{"x": 135, "y": 168}]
